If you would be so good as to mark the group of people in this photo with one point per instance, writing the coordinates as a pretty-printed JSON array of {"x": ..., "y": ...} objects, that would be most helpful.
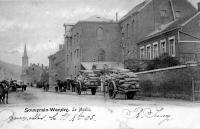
[
  {"x": 68, "y": 84},
  {"x": 46, "y": 86}
]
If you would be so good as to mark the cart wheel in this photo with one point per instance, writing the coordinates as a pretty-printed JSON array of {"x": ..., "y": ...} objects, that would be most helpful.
[
  {"x": 93, "y": 91},
  {"x": 111, "y": 90},
  {"x": 130, "y": 95}
]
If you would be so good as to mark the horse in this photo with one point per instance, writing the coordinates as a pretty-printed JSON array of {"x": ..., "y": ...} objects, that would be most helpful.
[
  {"x": 4, "y": 87},
  {"x": 73, "y": 84},
  {"x": 46, "y": 86}
]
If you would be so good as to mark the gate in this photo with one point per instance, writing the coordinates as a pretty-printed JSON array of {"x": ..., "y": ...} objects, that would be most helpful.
[{"x": 195, "y": 90}]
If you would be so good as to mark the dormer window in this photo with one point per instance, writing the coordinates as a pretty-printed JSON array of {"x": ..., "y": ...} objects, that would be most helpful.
[
  {"x": 178, "y": 14},
  {"x": 163, "y": 13}
]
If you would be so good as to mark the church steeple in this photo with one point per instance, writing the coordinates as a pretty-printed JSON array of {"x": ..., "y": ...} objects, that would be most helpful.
[
  {"x": 24, "y": 60},
  {"x": 25, "y": 52}
]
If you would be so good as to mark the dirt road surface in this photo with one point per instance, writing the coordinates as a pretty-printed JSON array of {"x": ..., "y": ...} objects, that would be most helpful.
[{"x": 36, "y": 109}]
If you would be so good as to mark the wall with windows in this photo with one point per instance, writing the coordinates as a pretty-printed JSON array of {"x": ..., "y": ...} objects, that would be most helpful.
[
  {"x": 72, "y": 51},
  {"x": 156, "y": 46},
  {"x": 158, "y": 12},
  {"x": 91, "y": 41},
  {"x": 100, "y": 41},
  {"x": 57, "y": 66}
]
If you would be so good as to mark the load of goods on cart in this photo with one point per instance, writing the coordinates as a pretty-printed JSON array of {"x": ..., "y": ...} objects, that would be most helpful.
[
  {"x": 122, "y": 81},
  {"x": 88, "y": 80}
]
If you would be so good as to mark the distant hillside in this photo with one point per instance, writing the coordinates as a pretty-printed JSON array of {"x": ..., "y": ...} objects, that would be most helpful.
[{"x": 8, "y": 71}]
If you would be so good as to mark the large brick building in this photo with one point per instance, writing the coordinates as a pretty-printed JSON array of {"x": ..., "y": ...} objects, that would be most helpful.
[
  {"x": 94, "y": 39},
  {"x": 150, "y": 29},
  {"x": 179, "y": 37},
  {"x": 148, "y": 17}
]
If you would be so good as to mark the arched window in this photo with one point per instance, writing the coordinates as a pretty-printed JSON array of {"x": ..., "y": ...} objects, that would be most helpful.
[
  {"x": 100, "y": 33},
  {"x": 101, "y": 55}
]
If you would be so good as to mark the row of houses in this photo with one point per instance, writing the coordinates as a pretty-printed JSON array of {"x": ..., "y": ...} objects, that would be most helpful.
[
  {"x": 150, "y": 29},
  {"x": 33, "y": 73}
]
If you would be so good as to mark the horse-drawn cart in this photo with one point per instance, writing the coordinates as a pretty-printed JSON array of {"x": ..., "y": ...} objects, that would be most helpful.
[
  {"x": 123, "y": 83},
  {"x": 88, "y": 80}
]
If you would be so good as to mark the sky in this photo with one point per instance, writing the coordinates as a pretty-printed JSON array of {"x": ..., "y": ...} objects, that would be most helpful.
[{"x": 39, "y": 24}]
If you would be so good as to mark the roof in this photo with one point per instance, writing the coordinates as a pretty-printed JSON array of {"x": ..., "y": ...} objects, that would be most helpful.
[
  {"x": 96, "y": 19},
  {"x": 190, "y": 19},
  {"x": 136, "y": 9},
  {"x": 165, "y": 28}
]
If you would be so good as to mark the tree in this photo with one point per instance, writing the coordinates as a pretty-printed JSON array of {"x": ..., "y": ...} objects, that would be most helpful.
[{"x": 162, "y": 61}]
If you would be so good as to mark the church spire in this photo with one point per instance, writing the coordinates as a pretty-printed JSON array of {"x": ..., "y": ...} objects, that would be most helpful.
[{"x": 25, "y": 52}]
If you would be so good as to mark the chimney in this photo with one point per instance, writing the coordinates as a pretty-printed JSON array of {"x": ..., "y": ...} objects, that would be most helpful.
[
  {"x": 116, "y": 16},
  {"x": 198, "y": 6}
]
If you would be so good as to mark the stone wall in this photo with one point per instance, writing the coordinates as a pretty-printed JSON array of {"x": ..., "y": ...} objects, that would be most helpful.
[{"x": 173, "y": 82}]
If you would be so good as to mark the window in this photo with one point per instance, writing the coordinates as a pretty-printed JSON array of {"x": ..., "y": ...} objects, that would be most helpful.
[
  {"x": 142, "y": 54},
  {"x": 122, "y": 36},
  {"x": 67, "y": 58},
  {"x": 163, "y": 13},
  {"x": 101, "y": 55},
  {"x": 178, "y": 14},
  {"x": 77, "y": 52},
  {"x": 155, "y": 49},
  {"x": 172, "y": 46},
  {"x": 133, "y": 22},
  {"x": 77, "y": 37},
  {"x": 70, "y": 42},
  {"x": 127, "y": 30},
  {"x": 148, "y": 51},
  {"x": 71, "y": 56},
  {"x": 100, "y": 34},
  {"x": 163, "y": 46},
  {"x": 74, "y": 53}
]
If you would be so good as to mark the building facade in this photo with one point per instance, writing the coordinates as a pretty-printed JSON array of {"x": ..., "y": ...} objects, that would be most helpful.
[
  {"x": 34, "y": 73},
  {"x": 37, "y": 73},
  {"x": 178, "y": 38},
  {"x": 147, "y": 17},
  {"x": 57, "y": 66},
  {"x": 95, "y": 39},
  {"x": 150, "y": 29}
]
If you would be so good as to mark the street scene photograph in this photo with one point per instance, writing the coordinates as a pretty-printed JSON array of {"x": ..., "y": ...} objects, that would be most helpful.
[{"x": 93, "y": 64}]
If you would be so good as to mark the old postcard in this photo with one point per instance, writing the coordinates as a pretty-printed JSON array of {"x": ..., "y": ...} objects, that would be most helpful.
[{"x": 99, "y": 64}]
